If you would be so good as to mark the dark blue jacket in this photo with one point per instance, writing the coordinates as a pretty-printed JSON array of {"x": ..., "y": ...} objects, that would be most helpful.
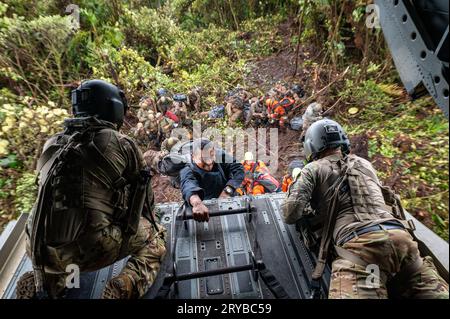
[{"x": 207, "y": 185}]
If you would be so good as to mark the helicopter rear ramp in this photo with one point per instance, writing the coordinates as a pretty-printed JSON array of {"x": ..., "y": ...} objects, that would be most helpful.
[{"x": 225, "y": 258}]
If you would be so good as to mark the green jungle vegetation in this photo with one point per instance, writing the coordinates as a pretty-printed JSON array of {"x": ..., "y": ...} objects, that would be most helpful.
[{"x": 142, "y": 45}]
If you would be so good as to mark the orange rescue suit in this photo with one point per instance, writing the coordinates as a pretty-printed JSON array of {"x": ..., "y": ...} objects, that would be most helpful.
[
  {"x": 253, "y": 174},
  {"x": 277, "y": 110},
  {"x": 287, "y": 181}
]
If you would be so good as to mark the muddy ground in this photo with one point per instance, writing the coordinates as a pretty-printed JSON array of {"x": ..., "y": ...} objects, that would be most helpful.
[
  {"x": 265, "y": 72},
  {"x": 280, "y": 67}
]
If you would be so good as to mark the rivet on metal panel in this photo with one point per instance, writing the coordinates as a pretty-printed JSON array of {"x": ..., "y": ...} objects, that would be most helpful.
[{"x": 265, "y": 217}]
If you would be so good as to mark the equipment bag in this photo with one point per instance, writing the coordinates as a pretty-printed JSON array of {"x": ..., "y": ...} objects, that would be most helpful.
[{"x": 59, "y": 214}]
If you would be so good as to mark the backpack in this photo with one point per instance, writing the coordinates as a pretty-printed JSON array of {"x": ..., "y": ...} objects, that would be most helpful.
[
  {"x": 180, "y": 156},
  {"x": 60, "y": 205},
  {"x": 171, "y": 164},
  {"x": 270, "y": 184}
]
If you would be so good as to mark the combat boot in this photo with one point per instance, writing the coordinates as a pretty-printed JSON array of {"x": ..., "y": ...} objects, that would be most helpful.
[
  {"x": 54, "y": 287},
  {"x": 26, "y": 287},
  {"x": 120, "y": 287}
]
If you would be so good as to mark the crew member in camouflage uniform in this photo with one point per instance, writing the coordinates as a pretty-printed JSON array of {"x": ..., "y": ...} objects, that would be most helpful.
[
  {"x": 356, "y": 218},
  {"x": 278, "y": 91},
  {"x": 180, "y": 109},
  {"x": 312, "y": 114},
  {"x": 297, "y": 93},
  {"x": 169, "y": 143},
  {"x": 234, "y": 109},
  {"x": 194, "y": 99},
  {"x": 146, "y": 103},
  {"x": 147, "y": 129},
  {"x": 165, "y": 125},
  {"x": 153, "y": 157},
  {"x": 90, "y": 207},
  {"x": 164, "y": 103},
  {"x": 257, "y": 111}
]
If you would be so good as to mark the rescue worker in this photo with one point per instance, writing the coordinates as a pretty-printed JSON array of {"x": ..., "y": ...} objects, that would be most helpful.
[
  {"x": 297, "y": 93},
  {"x": 169, "y": 143},
  {"x": 194, "y": 99},
  {"x": 257, "y": 111},
  {"x": 363, "y": 220},
  {"x": 146, "y": 105},
  {"x": 180, "y": 109},
  {"x": 147, "y": 130},
  {"x": 90, "y": 209},
  {"x": 278, "y": 91},
  {"x": 153, "y": 157},
  {"x": 211, "y": 174},
  {"x": 216, "y": 112},
  {"x": 235, "y": 109},
  {"x": 312, "y": 114},
  {"x": 277, "y": 110},
  {"x": 294, "y": 170},
  {"x": 164, "y": 104},
  {"x": 257, "y": 180},
  {"x": 165, "y": 125},
  {"x": 175, "y": 159}
]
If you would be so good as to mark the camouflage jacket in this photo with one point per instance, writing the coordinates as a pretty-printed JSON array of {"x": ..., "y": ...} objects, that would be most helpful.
[
  {"x": 88, "y": 187},
  {"x": 314, "y": 186}
]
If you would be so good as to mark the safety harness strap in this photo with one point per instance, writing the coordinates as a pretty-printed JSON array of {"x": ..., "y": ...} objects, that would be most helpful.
[
  {"x": 273, "y": 284},
  {"x": 111, "y": 173},
  {"x": 47, "y": 155},
  {"x": 332, "y": 213},
  {"x": 348, "y": 255}
]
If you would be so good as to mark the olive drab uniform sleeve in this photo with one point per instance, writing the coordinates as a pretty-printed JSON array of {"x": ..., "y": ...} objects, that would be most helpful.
[{"x": 299, "y": 195}]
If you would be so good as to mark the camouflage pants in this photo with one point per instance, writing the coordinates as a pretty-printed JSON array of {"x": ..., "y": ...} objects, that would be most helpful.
[
  {"x": 234, "y": 113},
  {"x": 386, "y": 252},
  {"x": 152, "y": 158},
  {"x": 95, "y": 250},
  {"x": 147, "y": 249}
]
